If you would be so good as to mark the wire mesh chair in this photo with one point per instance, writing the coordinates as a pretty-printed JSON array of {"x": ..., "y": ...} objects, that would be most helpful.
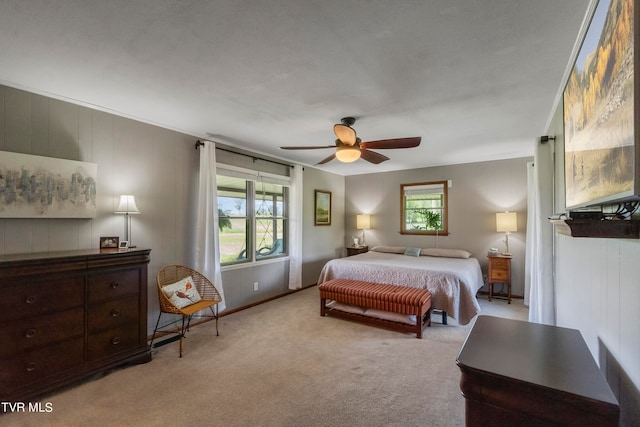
[{"x": 171, "y": 274}]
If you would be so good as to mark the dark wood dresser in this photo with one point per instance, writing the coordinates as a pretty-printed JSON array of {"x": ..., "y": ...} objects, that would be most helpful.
[
  {"x": 67, "y": 315},
  {"x": 518, "y": 373}
]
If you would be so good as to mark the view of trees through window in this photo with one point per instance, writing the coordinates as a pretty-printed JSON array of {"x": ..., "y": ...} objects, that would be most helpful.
[
  {"x": 424, "y": 208},
  {"x": 252, "y": 219}
]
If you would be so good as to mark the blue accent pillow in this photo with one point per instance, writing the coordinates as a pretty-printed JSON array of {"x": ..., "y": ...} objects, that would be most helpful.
[{"x": 412, "y": 251}]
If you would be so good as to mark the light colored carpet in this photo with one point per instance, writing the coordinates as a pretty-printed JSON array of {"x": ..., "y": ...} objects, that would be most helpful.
[{"x": 281, "y": 364}]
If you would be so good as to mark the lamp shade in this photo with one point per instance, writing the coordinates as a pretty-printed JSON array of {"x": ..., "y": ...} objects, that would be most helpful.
[
  {"x": 347, "y": 153},
  {"x": 127, "y": 205},
  {"x": 506, "y": 222},
  {"x": 363, "y": 222}
]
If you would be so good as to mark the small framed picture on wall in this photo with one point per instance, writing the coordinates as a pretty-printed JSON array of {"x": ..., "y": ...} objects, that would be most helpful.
[{"x": 322, "y": 207}]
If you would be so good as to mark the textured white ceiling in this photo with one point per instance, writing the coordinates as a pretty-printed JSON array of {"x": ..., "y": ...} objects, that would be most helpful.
[{"x": 477, "y": 79}]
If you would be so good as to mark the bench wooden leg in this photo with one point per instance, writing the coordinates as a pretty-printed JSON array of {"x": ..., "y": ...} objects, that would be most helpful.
[
  {"x": 322, "y": 306},
  {"x": 421, "y": 322}
]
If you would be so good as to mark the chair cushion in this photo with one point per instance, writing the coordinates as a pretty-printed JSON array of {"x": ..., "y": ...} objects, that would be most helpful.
[{"x": 182, "y": 293}]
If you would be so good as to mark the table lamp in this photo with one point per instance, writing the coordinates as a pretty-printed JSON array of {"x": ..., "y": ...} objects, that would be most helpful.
[
  {"x": 363, "y": 222},
  {"x": 127, "y": 207},
  {"x": 506, "y": 222}
]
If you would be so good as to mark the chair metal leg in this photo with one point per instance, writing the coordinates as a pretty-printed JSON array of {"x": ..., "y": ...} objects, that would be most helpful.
[
  {"x": 155, "y": 330},
  {"x": 215, "y": 314},
  {"x": 182, "y": 334}
]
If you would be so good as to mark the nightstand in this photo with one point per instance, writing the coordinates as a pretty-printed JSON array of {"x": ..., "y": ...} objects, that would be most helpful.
[
  {"x": 352, "y": 250},
  {"x": 500, "y": 272}
]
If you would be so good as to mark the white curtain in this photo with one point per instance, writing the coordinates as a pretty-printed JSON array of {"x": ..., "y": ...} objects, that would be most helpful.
[
  {"x": 539, "y": 280},
  {"x": 295, "y": 229},
  {"x": 532, "y": 222},
  {"x": 207, "y": 252}
]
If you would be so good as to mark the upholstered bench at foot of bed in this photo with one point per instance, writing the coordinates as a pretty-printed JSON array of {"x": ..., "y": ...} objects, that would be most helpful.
[{"x": 370, "y": 296}]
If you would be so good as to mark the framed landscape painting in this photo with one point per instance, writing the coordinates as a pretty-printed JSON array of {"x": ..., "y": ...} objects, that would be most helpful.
[
  {"x": 322, "y": 207},
  {"x": 600, "y": 138}
]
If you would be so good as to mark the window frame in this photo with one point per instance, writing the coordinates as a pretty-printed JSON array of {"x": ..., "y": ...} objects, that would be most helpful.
[
  {"x": 252, "y": 180},
  {"x": 444, "y": 231}
]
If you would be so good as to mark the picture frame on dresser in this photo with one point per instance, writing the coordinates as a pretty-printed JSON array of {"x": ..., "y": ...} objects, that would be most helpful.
[
  {"x": 601, "y": 146},
  {"x": 109, "y": 242}
]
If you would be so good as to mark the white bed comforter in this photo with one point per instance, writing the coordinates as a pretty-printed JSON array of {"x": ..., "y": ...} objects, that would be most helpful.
[{"x": 453, "y": 282}]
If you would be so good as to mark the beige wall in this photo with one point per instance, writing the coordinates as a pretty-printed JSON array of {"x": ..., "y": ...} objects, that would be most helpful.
[
  {"x": 478, "y": 191},
  {"x": 160, "y": 168}
]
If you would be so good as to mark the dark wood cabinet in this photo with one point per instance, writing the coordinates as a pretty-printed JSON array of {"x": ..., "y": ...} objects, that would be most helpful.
[
  {"x": 355, "y": 250},
  {"x": 68, "y": 315},
  {"x": 516, "y": 373}
]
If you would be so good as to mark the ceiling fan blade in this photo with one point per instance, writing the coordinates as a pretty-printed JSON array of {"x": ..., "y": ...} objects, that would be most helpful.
[
  {"x": 372, "y": 157},
  {"x": 309, "y": 147},
  {"x": 392, "y": 143},
  {"x": 328, "y": 159}
]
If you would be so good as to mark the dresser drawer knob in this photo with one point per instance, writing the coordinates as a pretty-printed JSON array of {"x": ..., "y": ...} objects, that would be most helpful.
[
  {"x": 31, "y": 299},
  {"x": 115, "y": 285},
  {"x": 31, "y": 366},
  {"x": 31, "y": 333},
  {"x": 115, "y": 312},
  {"x": 115, "y": 341}
]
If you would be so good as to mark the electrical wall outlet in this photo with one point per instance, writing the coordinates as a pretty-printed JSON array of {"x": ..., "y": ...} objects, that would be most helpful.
[
  {"x": 255, "y": 286},
  {"x": 484, "y": 277}
]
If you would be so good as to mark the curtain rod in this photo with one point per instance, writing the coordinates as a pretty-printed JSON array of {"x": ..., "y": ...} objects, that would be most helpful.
[{"x": 199, "y": 143}]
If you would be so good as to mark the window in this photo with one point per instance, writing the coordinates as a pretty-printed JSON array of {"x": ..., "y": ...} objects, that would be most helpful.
[
  {"x": 252, "y": 218},
  {"x": 424, "y": 208}
]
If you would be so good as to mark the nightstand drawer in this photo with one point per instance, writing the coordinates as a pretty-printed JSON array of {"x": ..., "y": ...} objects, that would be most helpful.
[
  {"x": 499, "y": 264},
  {"x": 499, "y": 275}
]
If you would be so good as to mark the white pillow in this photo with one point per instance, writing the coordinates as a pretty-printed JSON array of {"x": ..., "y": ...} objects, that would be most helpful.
[
  {"x": 182, "y": 293},
  {"x": 447, "y": 253},
  {"x": 390, "y": 249}
]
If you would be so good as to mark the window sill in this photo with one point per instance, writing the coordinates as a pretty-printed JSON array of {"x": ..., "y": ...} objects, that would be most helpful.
[
  {"x": 423, "y": 233},
  {"x": 254, "y": 263}
]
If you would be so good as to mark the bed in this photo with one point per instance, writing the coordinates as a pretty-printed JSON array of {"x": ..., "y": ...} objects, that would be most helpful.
[{"x": 452, "y": 276}]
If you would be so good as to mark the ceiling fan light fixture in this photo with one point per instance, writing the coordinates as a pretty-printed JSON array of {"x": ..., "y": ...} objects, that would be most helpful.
[
  {"x": 346, "y": 134},
  {"x": 347, "y": 153}
]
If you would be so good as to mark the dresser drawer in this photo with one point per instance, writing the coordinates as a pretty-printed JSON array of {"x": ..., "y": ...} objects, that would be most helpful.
[
  {"x": 35, "y": 365},
  {"x": 113, "y": 341},
  {"x": 111, "y": 285},
  {"x": 113, "y": 313},
  {"x": 25, "y": 334},
  {"x": 18, "y": 301}
]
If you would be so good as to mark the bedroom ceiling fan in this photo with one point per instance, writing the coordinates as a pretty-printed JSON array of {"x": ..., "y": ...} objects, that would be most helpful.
[{"x": 350, "y": 148}]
